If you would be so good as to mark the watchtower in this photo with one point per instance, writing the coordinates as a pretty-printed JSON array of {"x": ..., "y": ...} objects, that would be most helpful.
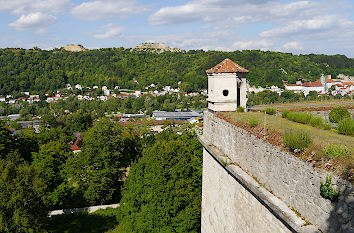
[{"x": 226, "y": 86}]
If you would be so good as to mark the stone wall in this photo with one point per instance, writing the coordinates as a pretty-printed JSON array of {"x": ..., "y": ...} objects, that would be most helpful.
[
  {"x": 290, "y": 179},
  {"x": 226, "y": 204}
]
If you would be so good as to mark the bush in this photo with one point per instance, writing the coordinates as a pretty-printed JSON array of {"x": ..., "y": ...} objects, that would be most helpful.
[
  {"x": 333, "y": 151},
  {"x": 326, "y": 126},
  {"x": 299, "y": 117},
  {"x": 297, "y": 139},
  {"x": 240, "y": 109},
  {"x": 338, "y": 114},
  {"x": 316, "y": 121},
  {"x": 285, "y": 113},
  {"x": 253, "y": 122},
  {"x": 346, "y": 127},
  {"x": 327, "y": 191},
  {"x": 270, "y": 111}
]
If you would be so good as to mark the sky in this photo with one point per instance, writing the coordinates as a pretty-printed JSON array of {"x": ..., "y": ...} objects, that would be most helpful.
[{"x": 299, "y": 27}]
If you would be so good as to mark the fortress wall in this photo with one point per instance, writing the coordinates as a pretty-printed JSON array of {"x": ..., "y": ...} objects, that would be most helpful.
[
  {"x": 228, "y": 207},
  {"x": 292, "y": 180}
]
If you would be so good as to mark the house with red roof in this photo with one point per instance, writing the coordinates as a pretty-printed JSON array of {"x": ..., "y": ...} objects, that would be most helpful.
[
  {"x": 77, "y": 144},
  {"x": 321, "y": 86}
]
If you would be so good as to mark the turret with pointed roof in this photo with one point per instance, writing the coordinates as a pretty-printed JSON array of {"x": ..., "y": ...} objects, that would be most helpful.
[
  {"x": 227, "y": 66},
  {"x": 226, "y": 86}
]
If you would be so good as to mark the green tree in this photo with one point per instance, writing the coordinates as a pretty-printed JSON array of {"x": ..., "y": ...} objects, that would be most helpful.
[
  {"x": 163, "y": 191},
  {"x": 97, "y": 169},
  {"x": 21, "y": 192},
  {"x": 50, "y": 160}
]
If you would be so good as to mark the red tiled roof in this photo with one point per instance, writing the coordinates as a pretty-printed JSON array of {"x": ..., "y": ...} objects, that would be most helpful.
[
  {"x": 74, "y": 147},
  {"x": 313, "y": 84},
  {"x": 348, "y": 83},
  {"x": 329, "y": 80},
  {"x": 227, "y": 66},
  {"x": 293, "y": 85}
]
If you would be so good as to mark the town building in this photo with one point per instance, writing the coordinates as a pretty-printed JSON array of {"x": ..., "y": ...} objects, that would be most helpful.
[
  {"x": 160, "y": 115},
  {"x": 321, "y": 86}
]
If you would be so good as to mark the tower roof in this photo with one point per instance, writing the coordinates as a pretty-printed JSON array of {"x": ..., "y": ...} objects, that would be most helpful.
[{"x": 227, "y": 66}]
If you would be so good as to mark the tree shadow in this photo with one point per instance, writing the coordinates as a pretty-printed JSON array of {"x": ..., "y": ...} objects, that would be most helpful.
[
  {"x": 341, "y": 217},
  {"x": 81, "y": 222}
]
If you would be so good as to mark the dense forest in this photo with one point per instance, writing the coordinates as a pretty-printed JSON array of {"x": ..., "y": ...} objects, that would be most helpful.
[{"x": 39, "y": 71}]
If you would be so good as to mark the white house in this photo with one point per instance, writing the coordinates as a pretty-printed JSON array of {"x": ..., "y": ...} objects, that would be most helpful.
[
  {"x": 78, "y": 86},
  {"x": 322, "y": 85}
]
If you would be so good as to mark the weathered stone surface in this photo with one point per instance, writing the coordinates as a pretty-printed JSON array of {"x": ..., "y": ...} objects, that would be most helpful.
[
  {"x": 228, "y": 207},
  {"x": 294, "y": 181},
  {"x": 74, "y": 48}
]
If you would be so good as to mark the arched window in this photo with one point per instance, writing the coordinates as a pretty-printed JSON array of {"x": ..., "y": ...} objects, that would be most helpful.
[{"x": 225, "y": 92}]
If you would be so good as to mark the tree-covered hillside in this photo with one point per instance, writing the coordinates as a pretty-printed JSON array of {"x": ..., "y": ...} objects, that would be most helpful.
[{"x": 39, "y": 70}]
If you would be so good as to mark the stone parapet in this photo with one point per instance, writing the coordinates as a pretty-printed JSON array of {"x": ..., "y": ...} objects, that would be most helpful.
[{"x": 293, "y": 181}]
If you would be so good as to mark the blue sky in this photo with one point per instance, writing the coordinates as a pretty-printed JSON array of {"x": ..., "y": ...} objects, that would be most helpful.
[{"x": 322, "y": 27}]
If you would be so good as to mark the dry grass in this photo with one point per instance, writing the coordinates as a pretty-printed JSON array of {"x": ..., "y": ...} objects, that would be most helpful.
[
  {"x": 323, "y": 105},
  {"x": 276, "y": 127}
]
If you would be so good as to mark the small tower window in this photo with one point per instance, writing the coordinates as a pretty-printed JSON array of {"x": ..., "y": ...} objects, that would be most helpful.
[{"x": 225, "y": 92}]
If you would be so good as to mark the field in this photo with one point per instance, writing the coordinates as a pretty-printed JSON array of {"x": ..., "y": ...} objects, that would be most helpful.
[{"x": 276, "y": 126}]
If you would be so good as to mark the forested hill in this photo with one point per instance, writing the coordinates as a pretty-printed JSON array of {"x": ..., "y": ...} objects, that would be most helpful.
[{"x": 38, "y": 70}]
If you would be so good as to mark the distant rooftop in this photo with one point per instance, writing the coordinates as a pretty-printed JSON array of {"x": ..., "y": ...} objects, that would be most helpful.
[
  {"x": 227, "y": 66},
  {"x": 175, "y": 115}
]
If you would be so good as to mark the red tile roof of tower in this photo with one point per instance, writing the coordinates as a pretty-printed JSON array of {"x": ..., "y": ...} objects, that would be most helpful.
[{"x": 227, "y": 66}]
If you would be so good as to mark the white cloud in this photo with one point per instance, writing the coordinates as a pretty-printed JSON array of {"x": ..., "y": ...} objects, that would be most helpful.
[
  {"x": 113, "y": 31},
  {"x": 178, "y": 14},
  {"x": 19, "y": 7},
  {"x": 37, "y": 21},
  {"x": 34, "y": 14},
  {"x": 103, "y": 9},
  {"x": 269, "y": 25},
  {"x": 231, "y": 12},
  {"x": 315, "y": 24},
  {"x": 253, "y": 44},
  {"x": 293, "y": 45}
]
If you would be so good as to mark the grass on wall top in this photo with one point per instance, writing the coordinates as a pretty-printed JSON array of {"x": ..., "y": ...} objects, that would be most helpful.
[{"x": 276, "y": 127}]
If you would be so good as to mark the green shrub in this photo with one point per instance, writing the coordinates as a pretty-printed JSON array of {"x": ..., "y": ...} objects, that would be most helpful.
[
  {"x": 338, "y": 114},
  {"x": 240, "y": 109},
  {"x": 270, "y": 111},
  {"x": 297, "y": 139},
  {"x": 333, "y": 151},
  {"x": 300, "y": 117},
  {"x": 326, "y": 126},
  {"x": 284, "y": 114},
  {"x": 316, "y": 121},
  {"x": 327, "y": 191},
  {"x": 346, "y": 127},
  {"x": 253, "y": 122}
]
